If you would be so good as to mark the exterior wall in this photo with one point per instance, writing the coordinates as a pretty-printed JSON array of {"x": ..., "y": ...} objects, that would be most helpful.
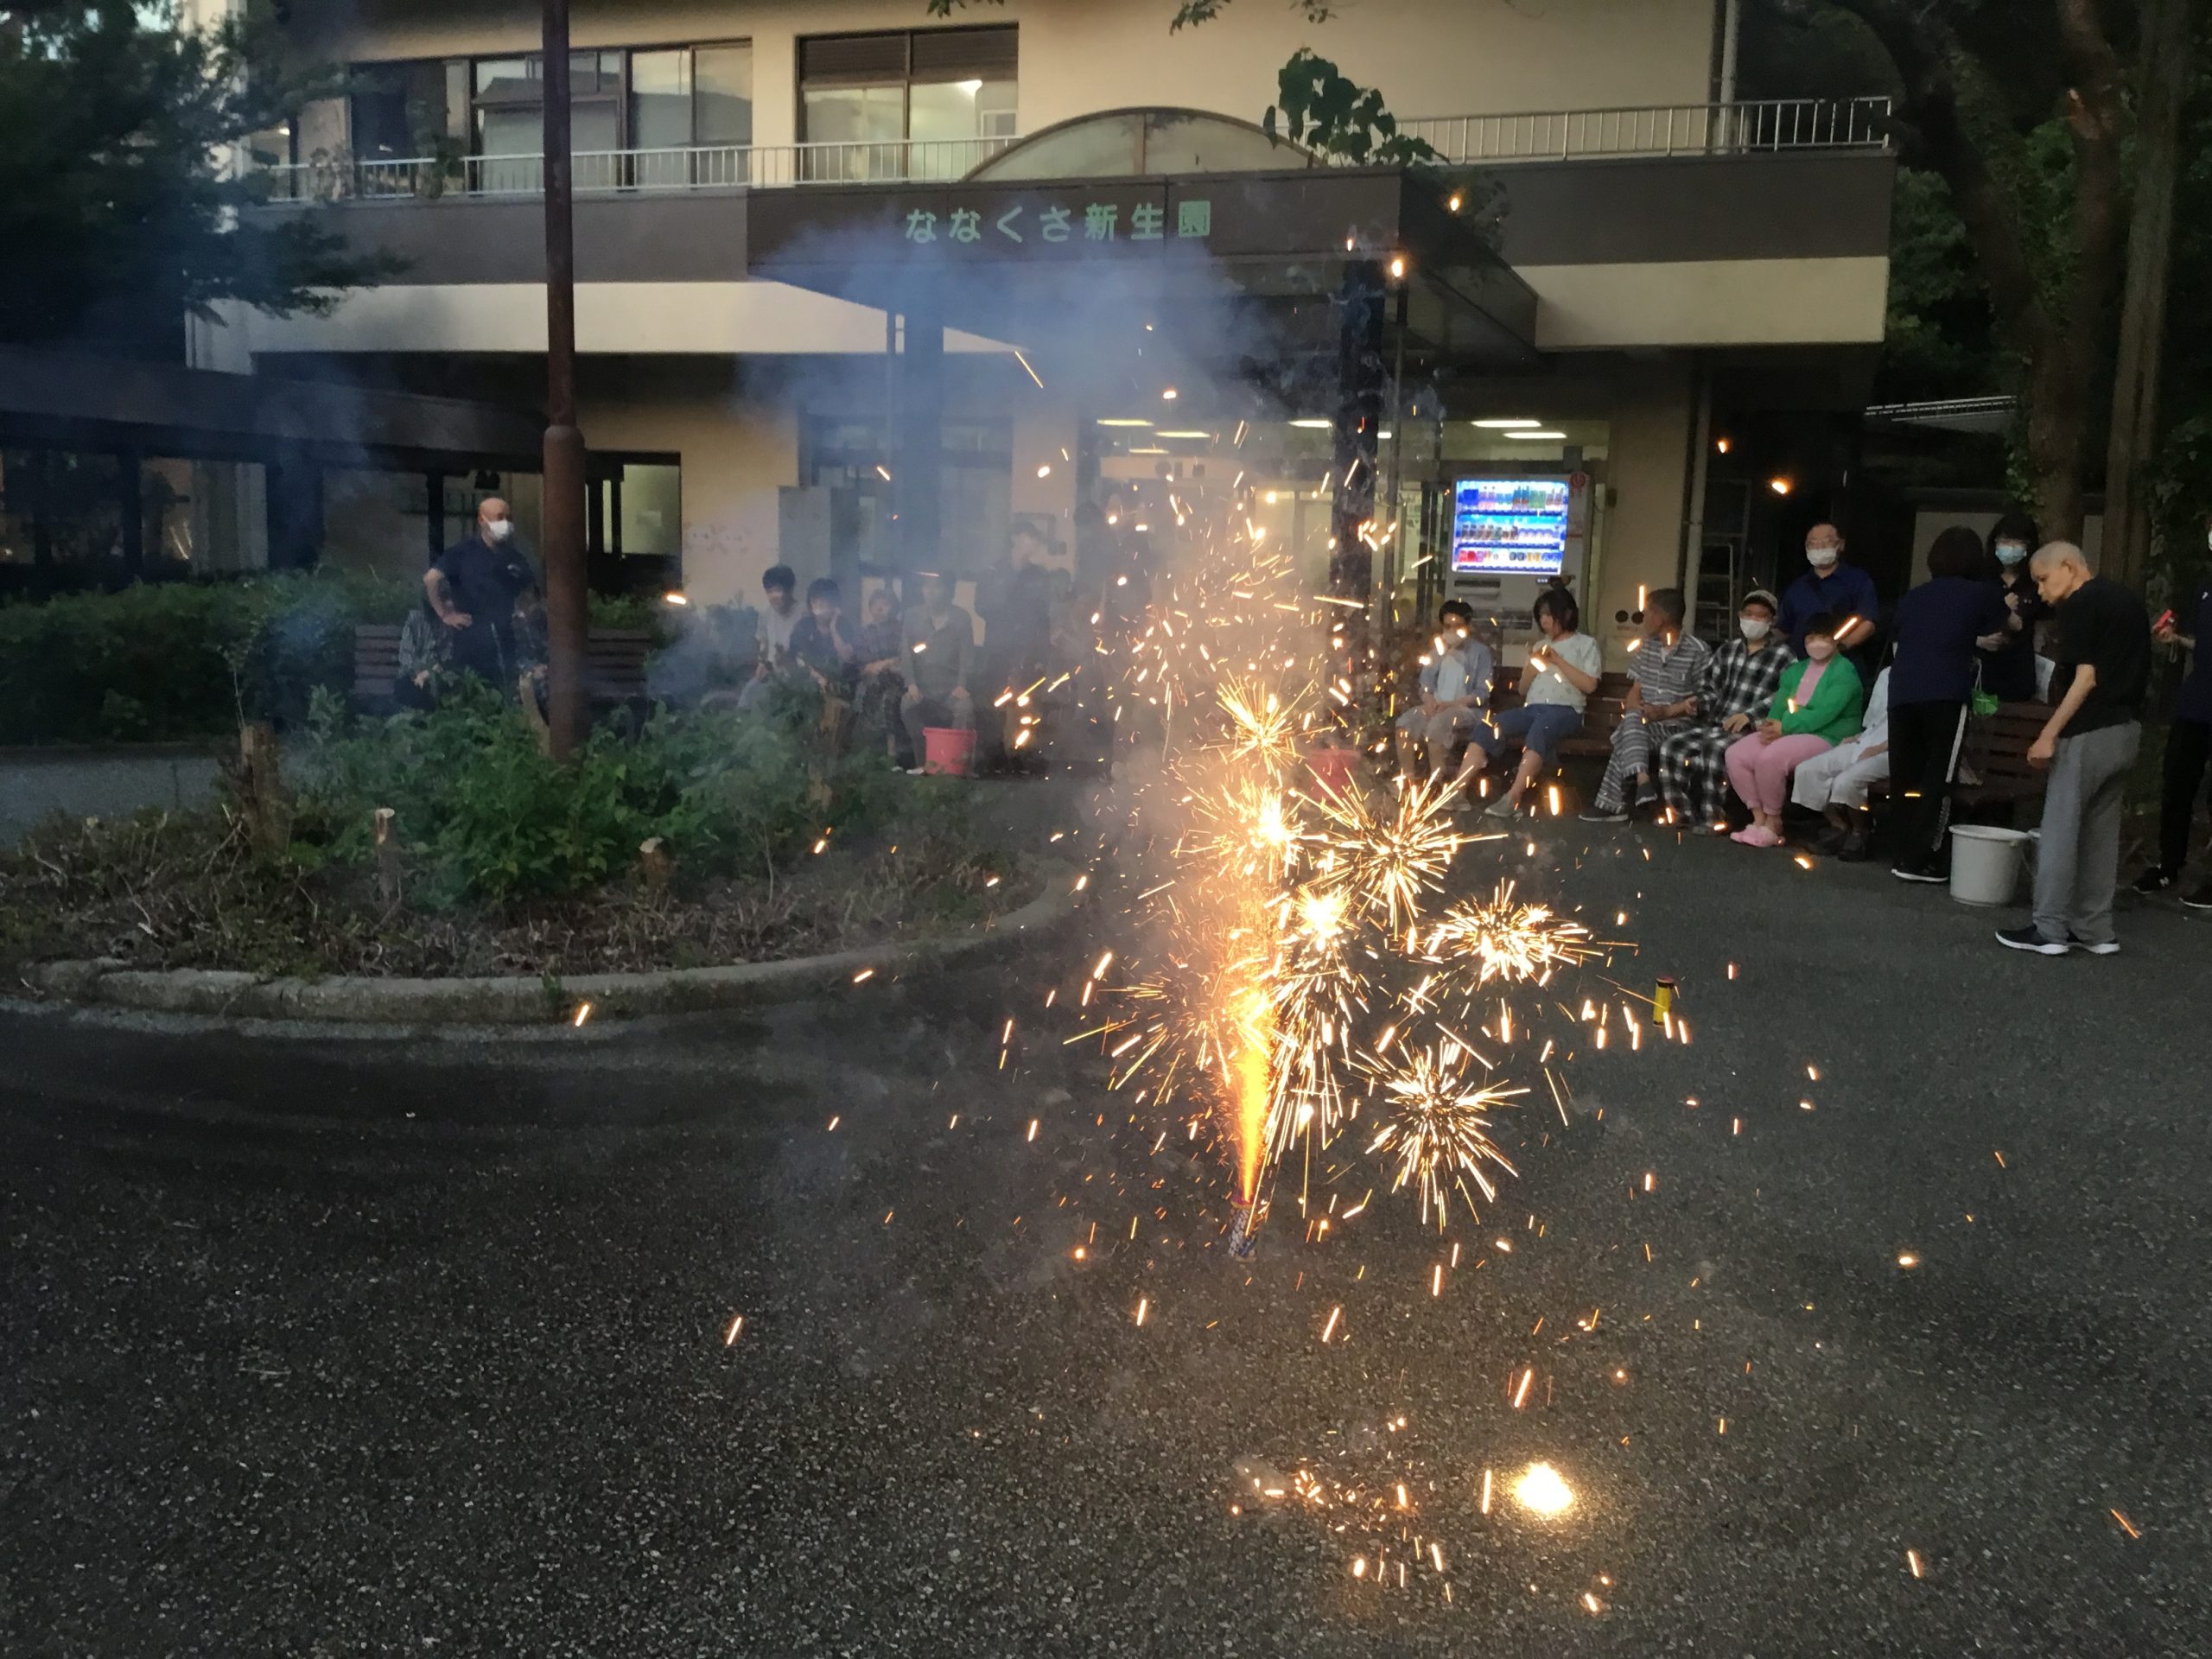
[
  {"x": 1710, "y": 302},
  {"x": 1648, "y": 468},
  {"x": 1437, "y": 57}
]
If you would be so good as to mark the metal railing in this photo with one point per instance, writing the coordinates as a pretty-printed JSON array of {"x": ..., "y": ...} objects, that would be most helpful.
[
  {"x": 758, "y": 167},
  {"x": 1774, "y": 124},
  {"x": 1557, "y": 135}
]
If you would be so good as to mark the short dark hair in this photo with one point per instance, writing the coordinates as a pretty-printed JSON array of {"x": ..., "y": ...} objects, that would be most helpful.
[
  {"x": 1957, "y": 551},
  {"x": 1458, "y": 607},
  {"x": 779, "y": 576},
  {"x": 2015, "y": 527},
  {"x": 820, "y": 587},
  {"x": 1822, "y": 623},
  {"x": 1668, "y": 602},
  {"x": 1563, "y": 611}
]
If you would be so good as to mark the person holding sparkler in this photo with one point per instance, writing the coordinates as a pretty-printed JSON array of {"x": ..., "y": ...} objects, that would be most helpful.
[
  {"x": 1662, "y": 699},
  {"x": 1739, "y": 682},
  {"x": 1454, "y": 682},
  {"x": 1819, "y": 706},
  {"x": 1561, "y": 674}
]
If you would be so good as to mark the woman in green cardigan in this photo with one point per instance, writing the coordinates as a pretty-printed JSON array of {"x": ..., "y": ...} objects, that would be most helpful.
[{"x": 1818, "y": 706}]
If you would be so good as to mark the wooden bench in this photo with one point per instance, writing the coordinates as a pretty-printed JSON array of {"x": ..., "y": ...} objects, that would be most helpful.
[
  {"x": 614, "y": 664},
  {"x": 1996, "y": 750},
  {"x": 1599, "y": 715}
]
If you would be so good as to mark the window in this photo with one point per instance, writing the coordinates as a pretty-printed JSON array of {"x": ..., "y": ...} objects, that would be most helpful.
[{"x": 950, "y": 90}]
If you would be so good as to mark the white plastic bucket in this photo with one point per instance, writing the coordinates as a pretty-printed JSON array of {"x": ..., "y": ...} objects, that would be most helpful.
[{"x": 1985, "y": 863}]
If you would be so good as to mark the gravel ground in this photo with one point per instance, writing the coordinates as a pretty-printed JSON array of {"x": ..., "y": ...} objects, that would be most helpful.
[{"x": 320, "y": 1346}]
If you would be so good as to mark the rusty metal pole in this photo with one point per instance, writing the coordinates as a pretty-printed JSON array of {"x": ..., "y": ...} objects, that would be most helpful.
[{"x": 566, "y": 581}]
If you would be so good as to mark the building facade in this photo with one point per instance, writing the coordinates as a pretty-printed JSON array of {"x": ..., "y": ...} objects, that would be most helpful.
[{"x": 1673, "y": 247}]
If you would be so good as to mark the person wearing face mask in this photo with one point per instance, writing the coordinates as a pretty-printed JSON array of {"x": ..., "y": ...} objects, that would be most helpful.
[
  {"x": 1818, "y": 705},
  {"x": 2102, "y": 637},
  {"x": 2189, "y": 745},
  {"x": 1667, "y": 668},
  {"x": 1938, "y": 623},
  {"x": 1455, "y": 677},
  {"x": 1834, "y": 587},
  {"x": 473, "y": 587},
  {"x": 2008, "y": 651},
  {"x": 1739, "y": 682}
]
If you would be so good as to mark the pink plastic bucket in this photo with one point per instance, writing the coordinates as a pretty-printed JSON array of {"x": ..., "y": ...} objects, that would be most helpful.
[{"x": 948, "y": 749}]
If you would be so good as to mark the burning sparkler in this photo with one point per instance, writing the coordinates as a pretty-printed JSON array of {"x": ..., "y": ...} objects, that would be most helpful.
[{"x": 1439, "y": 1132}]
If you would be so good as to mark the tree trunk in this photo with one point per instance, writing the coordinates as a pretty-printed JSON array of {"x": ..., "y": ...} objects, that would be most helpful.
[{"x": 2163, "y": 87}]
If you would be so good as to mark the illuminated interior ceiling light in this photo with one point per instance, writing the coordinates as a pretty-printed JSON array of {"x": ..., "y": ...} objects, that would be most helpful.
[
  {"x": 1506, "y": 425},
  {"x": 1120, "y": 420},
  {"x": 1541, "y": 433},
  {"x": 1191, "y": 433},
  {"x": 1313, "y": 423},
  {"x": 1168, "y": 395}
]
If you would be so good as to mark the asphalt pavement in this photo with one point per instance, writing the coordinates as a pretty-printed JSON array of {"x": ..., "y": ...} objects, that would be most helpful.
[{"x": 822, "y": 1333}]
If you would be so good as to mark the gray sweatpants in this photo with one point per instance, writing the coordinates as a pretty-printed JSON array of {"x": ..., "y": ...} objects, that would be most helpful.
[{"x": 2077, "y": 860}]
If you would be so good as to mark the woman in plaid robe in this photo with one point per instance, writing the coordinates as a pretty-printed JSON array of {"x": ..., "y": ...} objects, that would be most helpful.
[{"x": 1739, "y": 687}]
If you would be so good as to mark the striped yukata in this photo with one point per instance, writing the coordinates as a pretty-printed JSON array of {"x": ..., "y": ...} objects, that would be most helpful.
[
  {"x": 1667, "y": 673},
  {"x": 1693, "y": 764}
]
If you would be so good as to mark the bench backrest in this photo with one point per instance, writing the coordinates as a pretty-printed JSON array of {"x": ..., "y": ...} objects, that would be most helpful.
[
  {"x": 1997, "y": 744},
  {"x": 614, "y": 662}
]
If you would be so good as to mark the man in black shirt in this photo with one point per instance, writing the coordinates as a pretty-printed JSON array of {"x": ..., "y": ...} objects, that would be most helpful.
[
  {"x": 2102, "y": 650},
  {"x": 473, "y": 587}
]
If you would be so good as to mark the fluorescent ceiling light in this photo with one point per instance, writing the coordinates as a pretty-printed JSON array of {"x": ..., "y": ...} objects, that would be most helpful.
[
  {"x": 1501, "y": 426},
  {"x": 1148, "y": 449},
  {"x": 1121, "y": 420},
  {"x": 1315, "y": 425},
  {"x": 1164, "y": 433},
  {"x": 1517, "y": 433}
]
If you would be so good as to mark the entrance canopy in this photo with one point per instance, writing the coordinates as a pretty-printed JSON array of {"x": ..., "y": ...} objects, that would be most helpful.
[{"x": 1255, "y": 260}]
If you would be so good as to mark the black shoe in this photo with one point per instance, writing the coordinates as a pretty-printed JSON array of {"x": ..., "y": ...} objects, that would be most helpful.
[
  {"x": 1647, "y": 799},
  {"x": 1919, "y": 873},
  {"x": 1599, "y": 815},
  {"x": 1830, "y": 841},
  {"x": 2026, "y": 939},
  {"x": 2108, "y": 948},
  {"x": 1854, "y": 850},
  {"x": 2202, "y": 899},
  {"x": 2155, "y": 880}
]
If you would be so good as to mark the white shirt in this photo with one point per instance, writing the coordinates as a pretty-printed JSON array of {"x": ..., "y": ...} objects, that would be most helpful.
[
  {"x": 1576, "y": 650},
  {"x": 1450, "y": 677}
]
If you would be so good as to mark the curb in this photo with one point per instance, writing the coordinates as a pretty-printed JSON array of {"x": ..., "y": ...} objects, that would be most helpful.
[{"x": 532, "y": 1000}]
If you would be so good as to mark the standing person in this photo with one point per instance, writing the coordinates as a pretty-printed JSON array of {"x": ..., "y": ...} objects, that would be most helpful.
[
  {"x": 2008, "y": 652},
  {"x": 940, "y": 656},
  {"x": 1834, "y": 783},
  {"x": 1665, "y": 672},
  {"x": 2189, "y": 745},
  {"x": 1561, "y": 674},
  {"x": 1454, "y": 682},
  {"x": 1832, "y": 587},
  {"x": 1739, "y": 682},
  {"x": 1817, "y": 707},
  {"x": 1938, "y": 625},
  {"x": 2103, "y": 653},
  {"x": 882, "y": 646},
  {"x": 473, "y": 587}
]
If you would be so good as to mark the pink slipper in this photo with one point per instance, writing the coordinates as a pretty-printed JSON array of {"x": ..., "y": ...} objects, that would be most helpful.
[{"x": 1756, "y": 835}]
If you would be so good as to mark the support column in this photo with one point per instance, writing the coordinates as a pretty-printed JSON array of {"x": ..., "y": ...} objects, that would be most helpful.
[
  {"x": 918, "y": 484},
  {"x": 1362, "y": 378},
  {"x": 562, "y": 523}
]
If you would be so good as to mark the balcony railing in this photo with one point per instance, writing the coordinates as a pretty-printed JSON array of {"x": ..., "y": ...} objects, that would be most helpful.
[
  {"x": 758, "y": 167},
  {"x": 1663, "y": 130},
  {"x": 1558, "y": 134}
]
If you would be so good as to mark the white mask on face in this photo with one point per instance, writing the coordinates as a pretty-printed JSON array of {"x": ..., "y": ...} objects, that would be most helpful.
[
  {"x": 1754, "y": 627},
  {"x": 2011, "y": 553},
  {"x": 1820, "y": 558},
  {"x": 498, "y": 530},
  {"x": 1820, "y": 650}
]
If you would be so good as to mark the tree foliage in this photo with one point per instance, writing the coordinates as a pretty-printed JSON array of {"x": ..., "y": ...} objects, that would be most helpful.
[{"x": 120, "y": 208}]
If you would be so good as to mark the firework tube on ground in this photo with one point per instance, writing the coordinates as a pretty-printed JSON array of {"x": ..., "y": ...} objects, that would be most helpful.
[
  {"x": 1663, "y": 997},
  {"x": 1243, "y": 1227}
]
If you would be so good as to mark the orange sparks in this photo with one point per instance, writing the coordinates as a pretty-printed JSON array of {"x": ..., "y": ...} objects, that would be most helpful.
[
  {"x": 1032, "y": 1136},
  {"x": 2126, "y": 1525},
  {"x": 1436, "y": 1281},
  {"x": 1486, "y": 1480},
  {"x": 1328, "y": 1329},
  {"x": 736, "y": 1325},
  {"x": 1521, "y": 1393},
  {"x": 1143, "y": 1303},
  {"x": 583, "y": 1013},
  {"x": 864, "y": 975},
  {"x": 1912, "y": 1560}
]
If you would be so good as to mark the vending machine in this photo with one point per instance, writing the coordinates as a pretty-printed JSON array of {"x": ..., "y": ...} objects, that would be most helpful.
[{"x": 1514, "y": 535}]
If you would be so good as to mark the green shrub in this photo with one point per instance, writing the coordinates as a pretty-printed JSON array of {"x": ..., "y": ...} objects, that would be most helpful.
[
  {"x": 490, "y": 817},
  {"x": 173, "y": 660}
]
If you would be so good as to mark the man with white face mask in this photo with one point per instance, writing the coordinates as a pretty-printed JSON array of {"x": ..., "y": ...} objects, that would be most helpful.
[
  {"x": 1842, "y": 590},
  {"x": 474, "y": 587}
]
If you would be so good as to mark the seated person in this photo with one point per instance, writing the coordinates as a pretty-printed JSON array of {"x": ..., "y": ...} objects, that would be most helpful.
[
  {"x": 1561, "y": 674},
  {"x": 818, "y": 643},
  {"x": 940, "y": 655},
  {"x": 1739, "y": 682},
  {"x": 1664, "y": 677},
  {"x": 1835, "y": 783},
  {"x": 1454, "y": 682},
  {"x": 1818, "y": 706},
  {"x": 425, "y": 656},
  {"x": 772, "y": 648},
  {"x": 882, "y": 679}
]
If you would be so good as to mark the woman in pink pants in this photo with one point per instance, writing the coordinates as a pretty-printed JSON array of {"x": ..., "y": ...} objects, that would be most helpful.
[{"x": 1818, "y": 706}]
